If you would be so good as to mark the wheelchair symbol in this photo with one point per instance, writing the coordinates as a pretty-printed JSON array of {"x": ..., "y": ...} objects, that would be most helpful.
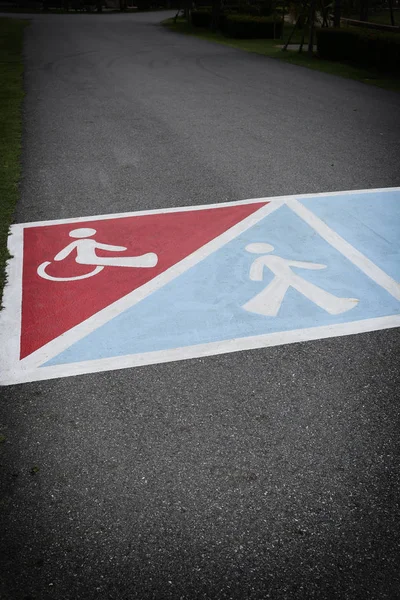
[{"x": 86, "y": 255}]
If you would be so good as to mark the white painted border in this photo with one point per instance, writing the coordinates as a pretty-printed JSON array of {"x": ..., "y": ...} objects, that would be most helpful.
[
  {"x": 10, "y": 316},
  {"x": 200, "y": 350},
  {"x": 199, "y": 207},
  {"x": 17, "y": 371}
]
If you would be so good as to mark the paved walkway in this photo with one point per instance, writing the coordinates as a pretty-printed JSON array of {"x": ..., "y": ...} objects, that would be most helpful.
[{"x": 269, "y": 473}]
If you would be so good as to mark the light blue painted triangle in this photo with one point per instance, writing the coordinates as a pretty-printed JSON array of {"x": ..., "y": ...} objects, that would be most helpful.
[
  {"x": 369, "y": 221},
  {"x": 204, "y": 304}
]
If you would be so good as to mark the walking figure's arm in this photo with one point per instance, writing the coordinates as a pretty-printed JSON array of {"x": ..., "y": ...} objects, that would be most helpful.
[
  {"x": 306, "y": 265},
  {"x": 110, "y": 247},
  {"x": 65, "y": 251},
  {"x": 257, "y": 268}
]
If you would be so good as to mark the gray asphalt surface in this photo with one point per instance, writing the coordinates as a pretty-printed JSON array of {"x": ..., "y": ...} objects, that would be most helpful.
[{"x": 265, "y": 474}]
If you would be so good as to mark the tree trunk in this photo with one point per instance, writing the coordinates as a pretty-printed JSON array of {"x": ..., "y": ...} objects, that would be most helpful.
[
  {"x": 216, "y": 15},
  {"x": 187, "y": 6},
  {"x": 364, "y": 10},
  {"x": 391, "y": 12},
  {"x": 337, "y": 13},
  {"x": 312, "y": 27}
]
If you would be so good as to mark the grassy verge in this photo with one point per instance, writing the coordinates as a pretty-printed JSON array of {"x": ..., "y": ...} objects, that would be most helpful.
[
  {"x": 271, "y": 48},
  {"x": 11, "y": 95}
]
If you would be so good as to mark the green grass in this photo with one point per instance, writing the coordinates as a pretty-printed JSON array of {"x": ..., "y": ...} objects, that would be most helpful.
[
  {"x": 11, "y": 95},
  {"x": 271, "y": 48}
]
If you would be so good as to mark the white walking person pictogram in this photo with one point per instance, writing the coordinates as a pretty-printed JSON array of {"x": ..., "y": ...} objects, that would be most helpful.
[
  {"x": 269, "y": 300},
  {"x": 86, "y": 248}
]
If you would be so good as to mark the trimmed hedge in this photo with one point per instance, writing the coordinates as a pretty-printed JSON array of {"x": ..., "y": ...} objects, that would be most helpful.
[
  {"x": 262, "y": 9},
  {"x": 250, "y": 27},
  {"x": 360, "y": 46},
  {"x": 201, "y": 18}
]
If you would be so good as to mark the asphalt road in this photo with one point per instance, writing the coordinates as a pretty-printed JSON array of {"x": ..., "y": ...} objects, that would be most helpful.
[{"x": 265, "y": 474}]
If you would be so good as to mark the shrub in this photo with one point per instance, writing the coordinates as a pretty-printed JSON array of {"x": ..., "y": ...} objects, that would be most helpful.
[
  {"x": 250, "y": 27},
  {"x": 201, "y": 18},
  {"x": 361, "y": 46},
  {"x": 334, "y": 44},
  {"x": 262, "y": 9}
]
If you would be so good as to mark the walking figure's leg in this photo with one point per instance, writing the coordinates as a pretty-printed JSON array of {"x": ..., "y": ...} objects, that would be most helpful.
[
  {"x": 325, "y": 300},
  {"x": 268, "y": 302}
]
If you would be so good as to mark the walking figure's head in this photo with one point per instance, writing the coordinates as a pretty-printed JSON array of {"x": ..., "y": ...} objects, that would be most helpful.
[
  {"x": 83, "y": 232},
  {"x": 260, "y": 248}
]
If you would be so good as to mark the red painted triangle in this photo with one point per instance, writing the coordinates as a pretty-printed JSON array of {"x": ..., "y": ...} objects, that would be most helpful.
[{"x": 50, "y": 308}]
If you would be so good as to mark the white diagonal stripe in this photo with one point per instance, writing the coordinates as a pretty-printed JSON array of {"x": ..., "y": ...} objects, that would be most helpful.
[
  {"x": 80, "y": 331},
  {"x": 278, "y": 338},
  {"x": 352, "y": 254}
]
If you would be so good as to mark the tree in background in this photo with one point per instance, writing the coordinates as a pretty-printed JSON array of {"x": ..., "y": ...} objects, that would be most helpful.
[
  {"x": 215, "y": 14},
  {"x": 364, "y": 10},
  {"x": 337, "y": 13}
]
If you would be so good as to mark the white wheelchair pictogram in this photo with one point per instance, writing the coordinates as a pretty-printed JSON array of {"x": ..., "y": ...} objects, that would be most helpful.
[{"x": 86, "y": 255}]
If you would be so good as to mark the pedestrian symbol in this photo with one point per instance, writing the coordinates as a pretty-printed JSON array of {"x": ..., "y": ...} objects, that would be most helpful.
[
  {"x": 269, "y": 300},
  {"x": 118, "y": 291}
]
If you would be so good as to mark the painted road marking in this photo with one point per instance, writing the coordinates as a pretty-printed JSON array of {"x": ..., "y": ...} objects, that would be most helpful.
[
  {"x": 269, "y": 301},
  {"x": 156, "y": 286},
  {"x": 174, "y": 237},
  {"x": 86, "y": 247},
  {"x": 361, "y": 261}
]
